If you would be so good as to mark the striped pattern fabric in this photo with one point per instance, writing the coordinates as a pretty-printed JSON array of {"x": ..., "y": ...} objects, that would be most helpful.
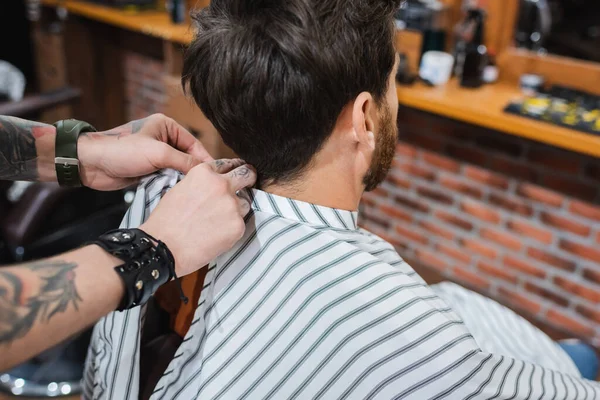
[{"x": 308, "y": 306}]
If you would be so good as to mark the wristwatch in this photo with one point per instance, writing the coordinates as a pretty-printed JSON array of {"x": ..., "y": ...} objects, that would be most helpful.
[
  {"x": 66, "y": 161},
  {"x": 148, "y": 264}
]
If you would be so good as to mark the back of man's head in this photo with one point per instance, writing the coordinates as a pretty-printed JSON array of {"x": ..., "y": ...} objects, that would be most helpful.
[{"x": 273, "y": 76}]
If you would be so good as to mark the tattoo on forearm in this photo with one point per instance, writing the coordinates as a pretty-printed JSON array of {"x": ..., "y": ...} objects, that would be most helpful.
[
  {"x": 18, "y": 154},
  {"x": 130, "y": 128},
  {"x": 20, "y": 310}
]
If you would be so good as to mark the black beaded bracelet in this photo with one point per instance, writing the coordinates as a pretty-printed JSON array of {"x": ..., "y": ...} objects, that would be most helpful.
[{"x": 148, "y": 264}]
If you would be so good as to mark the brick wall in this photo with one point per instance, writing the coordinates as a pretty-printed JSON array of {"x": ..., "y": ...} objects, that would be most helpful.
[
  {"x": 145, "y": 91},
  {"x": 514, "y": 219}
]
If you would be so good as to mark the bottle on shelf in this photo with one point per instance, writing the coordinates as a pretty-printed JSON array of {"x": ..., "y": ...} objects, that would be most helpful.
[{"x": 471, "y": 53}]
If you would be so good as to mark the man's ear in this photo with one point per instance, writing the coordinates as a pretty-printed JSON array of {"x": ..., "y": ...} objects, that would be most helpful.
[{"x": 363, "y": 120}]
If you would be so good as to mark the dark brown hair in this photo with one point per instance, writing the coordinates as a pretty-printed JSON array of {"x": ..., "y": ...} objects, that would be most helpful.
[{"x": 274, "y": 75}]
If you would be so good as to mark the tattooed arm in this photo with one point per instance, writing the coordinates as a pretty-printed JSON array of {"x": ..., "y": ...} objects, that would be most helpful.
[
  {"x": 26, "y": 150},
  {"x": 109, "y": 160},
  {"x": 46, "y": 302}
]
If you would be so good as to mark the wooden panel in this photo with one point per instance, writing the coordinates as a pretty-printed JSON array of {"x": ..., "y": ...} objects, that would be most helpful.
[
  {"x": 151, "y": 23},
  {"x": 51, "y": 67},
  {"x": 484, "y": 107},
  {"x": 80, "y": 45},
  {"x": 578, "y": 74},
  {"x": 410, "y": 43},
  {"x": 173, "y": 54},
  {"x": 506, "y": 34}
]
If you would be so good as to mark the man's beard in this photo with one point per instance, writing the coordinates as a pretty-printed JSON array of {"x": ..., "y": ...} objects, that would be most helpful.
[{"x": 385, "y": 147}]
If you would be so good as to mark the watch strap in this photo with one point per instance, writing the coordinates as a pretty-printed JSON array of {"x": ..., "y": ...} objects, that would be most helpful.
[{"x": 66, "y": 160}]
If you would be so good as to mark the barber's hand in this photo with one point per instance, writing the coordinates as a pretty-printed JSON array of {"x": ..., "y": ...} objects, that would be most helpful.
[
  {"x": 117, "y": 158},
  {"x": 202, "y": 217}
]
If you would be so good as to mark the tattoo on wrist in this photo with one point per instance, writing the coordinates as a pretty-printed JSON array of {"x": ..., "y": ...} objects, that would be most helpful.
[
  {"x": 20, "y": 311},
  {"x": 18, "y": 153}
]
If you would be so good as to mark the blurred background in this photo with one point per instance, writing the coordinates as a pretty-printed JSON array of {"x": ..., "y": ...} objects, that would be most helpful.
[{"x": 496, "y": 181}]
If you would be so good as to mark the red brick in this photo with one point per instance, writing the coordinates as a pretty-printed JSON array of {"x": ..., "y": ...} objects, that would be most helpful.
[
  {"x": 534, "y": 192},
  {"x": 523, "y": 266},
  {"x": 555, "y": 160},
  {"x": 454, "y": 252},
  {"x": 454, "y": 220},
  {"x": 379, "y": 191},
  {"x": 430, "y": 259},
  {"x": 502, "y": 238},
  {"x": 496, "y": 272},
  {"x": 418, "y": 171},
  {"x": 437, "y": 230},
  {"x": 398, "y": 181},
  {"x": 481, "y": 211},
  {"x": 546, "y": 294},
  {"x": 511, "y": 204},
  {"x": 470, "y": 278},
  {"x": 520, "y": 170},
  {"x": 486, "y": 177},
  {"x": 587, "y": 292},
  {"x": 442, "y": 162},
  {"x": 461, "y": 187},
  {"x": 526, "y": 229},
  {"x": 467, "y": 154},
  {"x": 585, "y": 210},
  {"x": 551, "y": 259},
  {"x": 376, "y": 219},
  {"x": 412, "y": 235},
  {"x": 520, "y": 301},
  {"x": 400, "y": 244},
  {"x": 479, "y": 248},
  {"x": 413, "y": 204},
  {"x": 589, "y": 253},
  {"x": 598, "y": 238},
  {"x": 368, "y": 200},
  {"x": 571, "y": 187},
  {"x": 564, "y": 321},
  {"x": 406, "y": 150},
  {"x": 565, "y": 224},
  {"x": 435, "y": 195},
  {"x": 591, "y": 275},
  {"x": 589, "y": 313},
  {"x": 422, "y": 140},
  {"x": 396, "y": 213}
]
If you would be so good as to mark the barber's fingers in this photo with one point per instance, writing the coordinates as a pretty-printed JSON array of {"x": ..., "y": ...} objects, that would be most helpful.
[
  {"x": 169, "y": 157},
  {"x": 242, "y": 177},
  {"x": 184, "y": 141},
  {"x": 224, "y": 166}
]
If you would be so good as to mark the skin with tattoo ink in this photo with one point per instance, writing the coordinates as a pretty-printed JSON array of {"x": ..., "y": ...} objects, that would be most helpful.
[
  {"x": 21, "y": 307},
  {"x": 18, "y": 152},
  {"x": 45, "y": 302}
]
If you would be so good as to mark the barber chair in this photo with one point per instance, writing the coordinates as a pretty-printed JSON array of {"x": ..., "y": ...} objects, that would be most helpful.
[{"x": 42, "y": 220}]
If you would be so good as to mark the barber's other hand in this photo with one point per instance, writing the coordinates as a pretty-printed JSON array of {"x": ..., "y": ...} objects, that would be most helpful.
[
  {"x": 202, "y": 217},
  {"x": 119, "y": 157}
]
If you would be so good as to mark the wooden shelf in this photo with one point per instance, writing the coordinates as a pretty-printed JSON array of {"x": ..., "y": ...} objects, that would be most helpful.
[
  {"x": 151, "y": 23},
  {"x": 484, "y": 107}
]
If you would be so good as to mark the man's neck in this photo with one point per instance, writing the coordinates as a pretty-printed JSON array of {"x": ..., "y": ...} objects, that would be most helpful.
[{"x": 321, "y": 187}]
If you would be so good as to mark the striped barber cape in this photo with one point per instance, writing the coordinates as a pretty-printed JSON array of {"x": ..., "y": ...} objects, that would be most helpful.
[{"x": 308, "y": 306}]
